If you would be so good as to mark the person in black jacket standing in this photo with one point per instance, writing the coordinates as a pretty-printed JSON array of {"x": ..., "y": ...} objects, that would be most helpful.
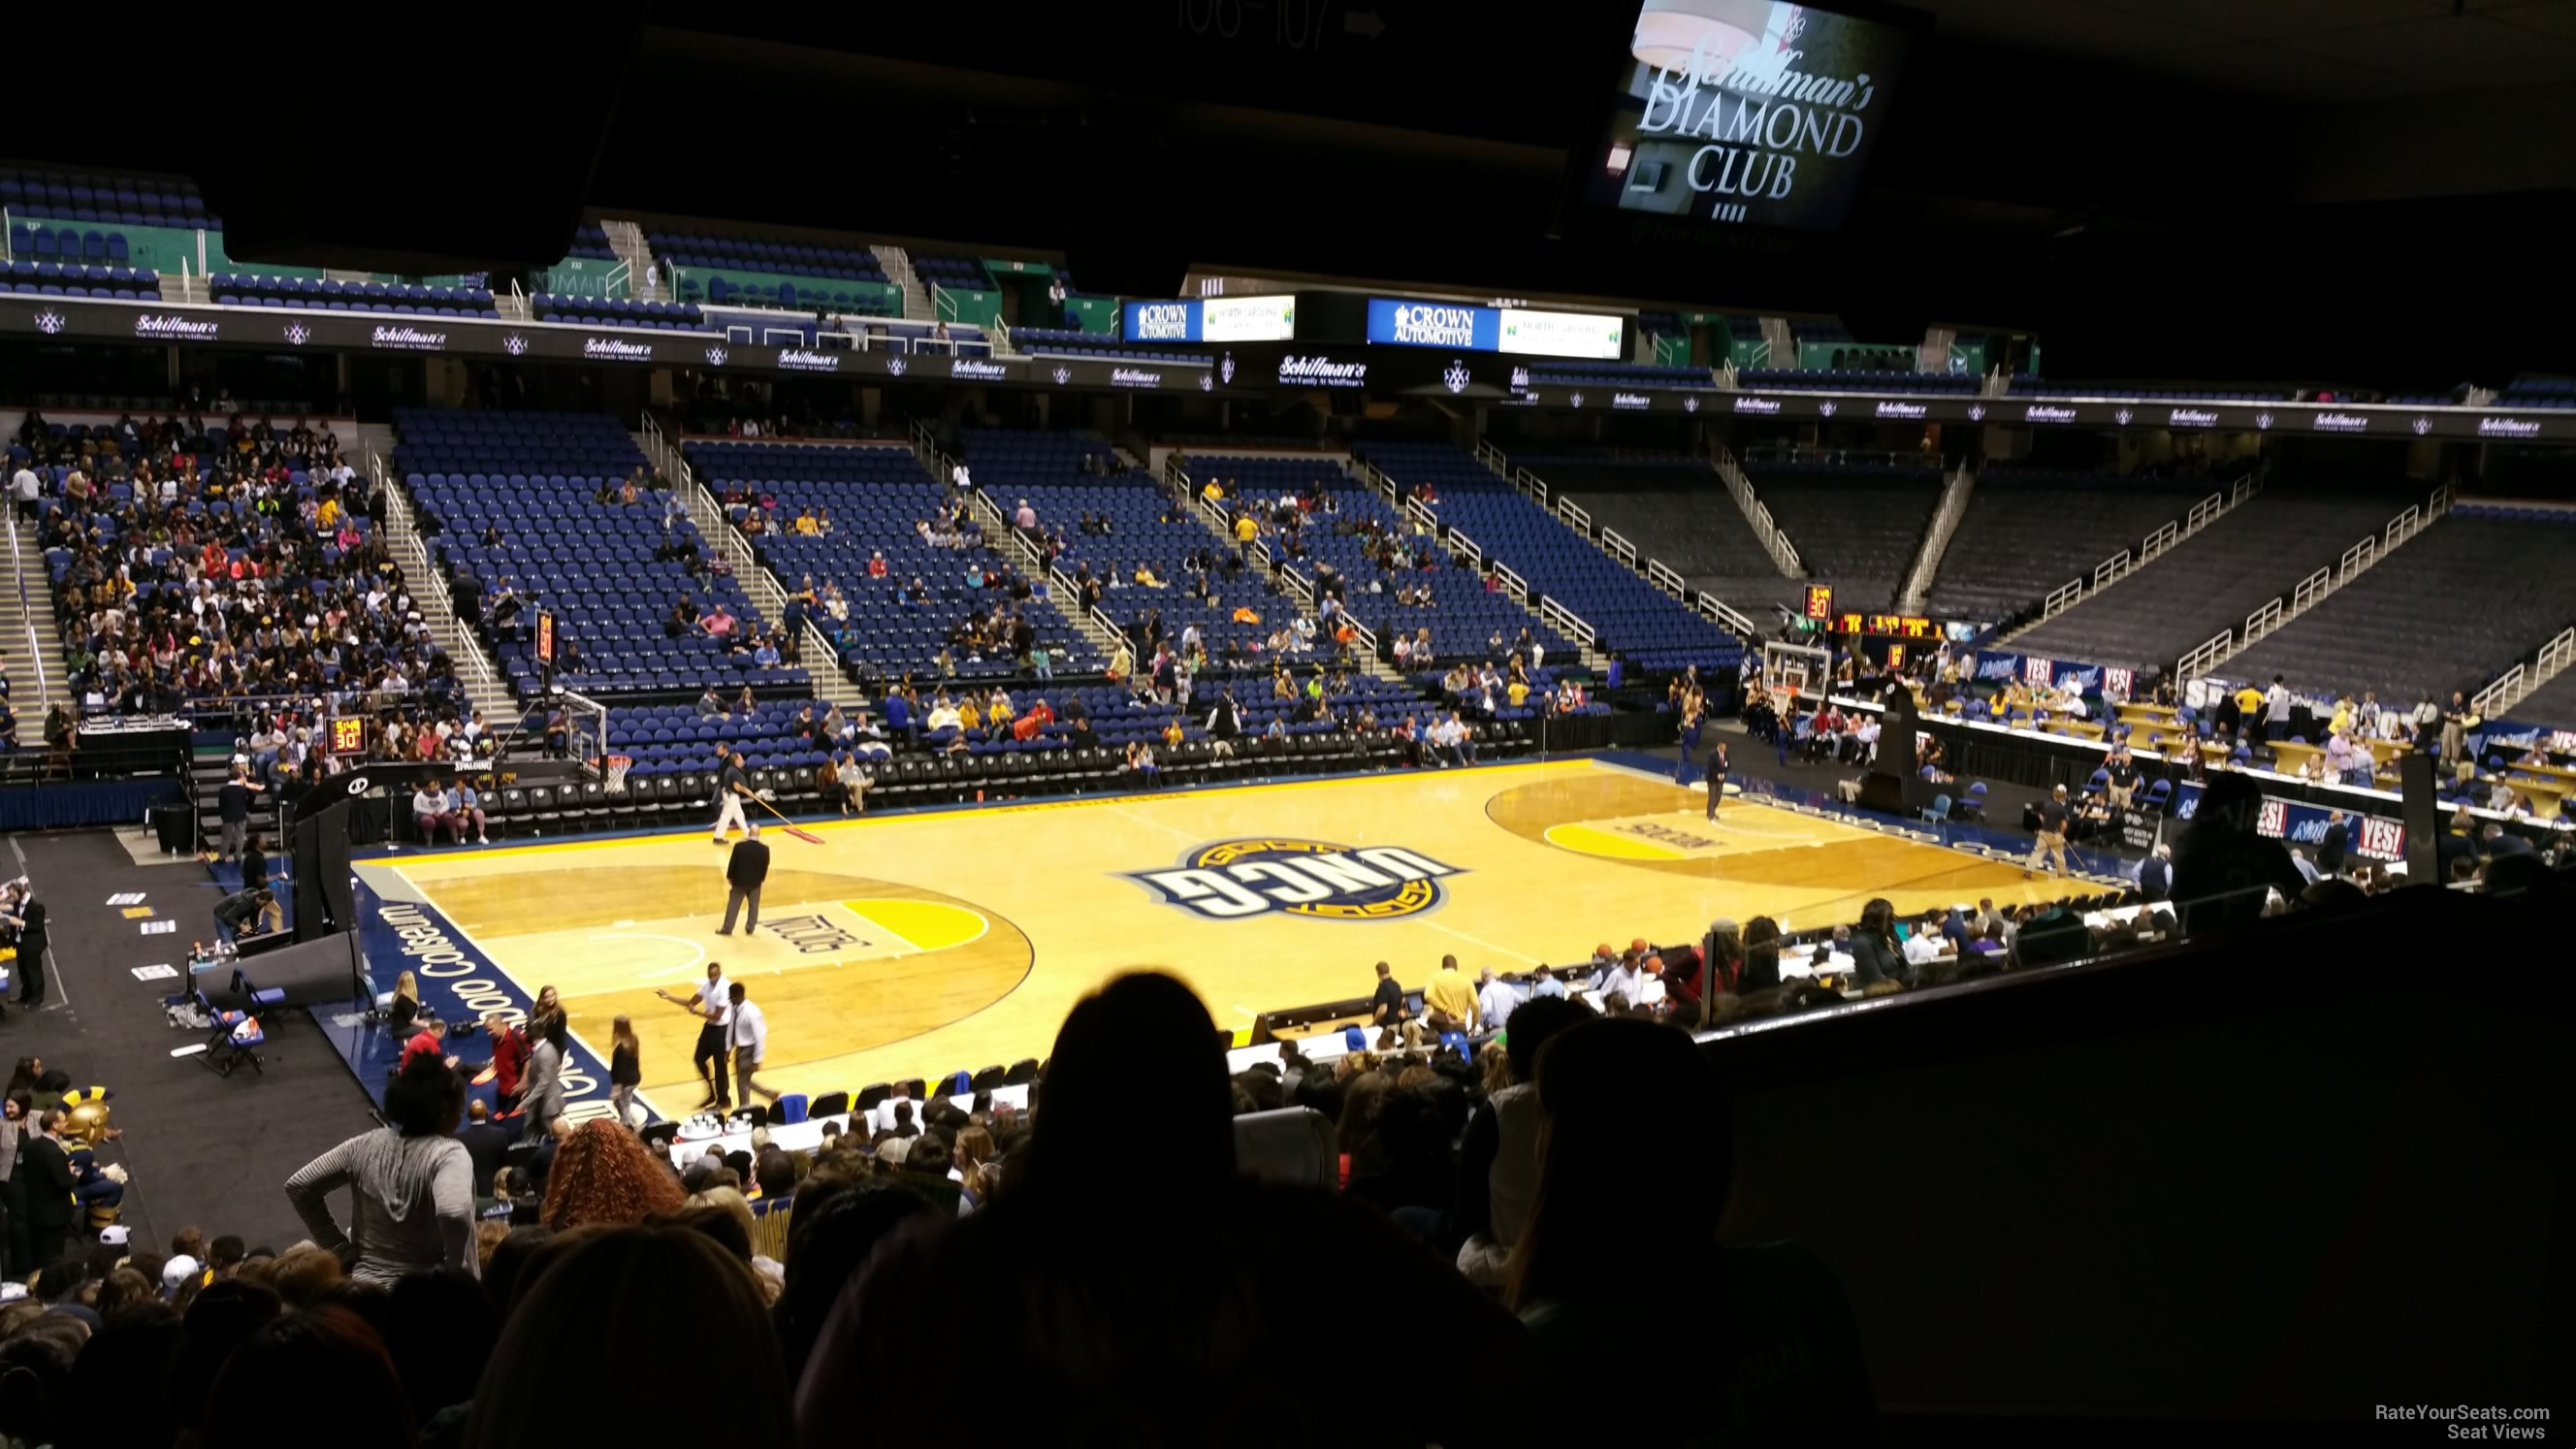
[
  {"x": 232, "y": 807},
  {"x": 254, "y": 864},
  {"x": 48, "y": 1172},
  {"x": 2330, "y": 851},
  {"x": 29, "y": 919},
  {"x": 744, "y": 872}
]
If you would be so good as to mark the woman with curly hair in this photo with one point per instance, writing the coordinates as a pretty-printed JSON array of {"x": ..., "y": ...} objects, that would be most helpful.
[{"x": 603, "y": 1174}]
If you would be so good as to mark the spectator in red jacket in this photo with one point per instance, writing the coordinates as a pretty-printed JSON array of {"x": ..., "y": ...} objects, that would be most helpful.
[
  {"x": 430, "y": 1041},
  {"x": 509, "y": 1058}
]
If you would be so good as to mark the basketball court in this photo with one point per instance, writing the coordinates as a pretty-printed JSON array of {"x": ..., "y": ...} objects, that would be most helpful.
[{"x": 912, "y": 945}]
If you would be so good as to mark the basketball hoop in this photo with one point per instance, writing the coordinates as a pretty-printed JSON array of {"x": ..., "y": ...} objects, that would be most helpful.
[{"x": 618, "y": 765}]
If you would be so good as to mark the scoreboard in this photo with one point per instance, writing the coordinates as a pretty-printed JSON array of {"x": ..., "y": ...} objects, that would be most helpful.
[
  {"x": 1820, "y": 604},
  {"x": 1892, "y": 626}
]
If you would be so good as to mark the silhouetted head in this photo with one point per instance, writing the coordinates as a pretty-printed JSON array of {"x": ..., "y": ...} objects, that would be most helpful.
[{"x": 1145, "y": 1028}]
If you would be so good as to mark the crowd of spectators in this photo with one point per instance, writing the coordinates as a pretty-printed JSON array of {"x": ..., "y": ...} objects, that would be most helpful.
[
  {"x": 207, "y": 566},
  {"x": 437, "y": 1304}
]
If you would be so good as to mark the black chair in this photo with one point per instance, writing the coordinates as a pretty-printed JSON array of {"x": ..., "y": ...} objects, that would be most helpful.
[
  {"x": 830, "y": 1104},
  {"x": 987, "y": 1079},
  {"x": 917, "y": 1090},
  {"x": 754, "y": 1115},
  {"x": 1022, "y": 1072},
  {"x": 661, "y": 1135}
]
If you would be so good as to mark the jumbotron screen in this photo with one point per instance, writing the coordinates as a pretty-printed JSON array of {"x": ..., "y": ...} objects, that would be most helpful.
[{"x": 1745, "y": 112}]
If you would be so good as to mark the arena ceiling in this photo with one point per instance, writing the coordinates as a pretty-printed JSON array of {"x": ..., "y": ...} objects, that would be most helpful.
[{"x": 2207, "y": 188}]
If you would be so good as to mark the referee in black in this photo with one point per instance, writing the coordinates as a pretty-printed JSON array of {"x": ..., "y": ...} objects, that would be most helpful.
[{"x": 745, "y": 870}]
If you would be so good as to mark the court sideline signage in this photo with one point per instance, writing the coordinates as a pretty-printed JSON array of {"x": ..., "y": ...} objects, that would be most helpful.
[{"x": 459, "y": 984}]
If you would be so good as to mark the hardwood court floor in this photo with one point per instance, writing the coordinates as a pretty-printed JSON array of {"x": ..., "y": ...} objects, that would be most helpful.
[{"x": 913, "y": 945}]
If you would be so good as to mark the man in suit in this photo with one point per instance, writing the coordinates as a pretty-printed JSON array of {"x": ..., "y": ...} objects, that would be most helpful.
[
  {"x": 50, "y": 1184},
  {"x": 2330, "y": 851},
  {"x": 485, "y": 1141},
  {"x": 744, "y": 872}
]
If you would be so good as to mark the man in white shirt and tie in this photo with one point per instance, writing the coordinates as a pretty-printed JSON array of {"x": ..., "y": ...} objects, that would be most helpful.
[
  {"x": 749, "y": 1034},
  {"x": 713, "y": 1006}
]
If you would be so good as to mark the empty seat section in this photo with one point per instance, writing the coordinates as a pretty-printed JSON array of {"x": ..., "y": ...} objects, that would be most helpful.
[
  {"x": 1677, "y": 511},
  {"x": 1630, "y": 616},
  {"x": 2029, "y": 530},
  {"x": 1856, "y": 526},
  {"x": 2257, "y": 552},
  {"x": 514, "y": 497},
  {"x": 2452, "y": 608}
]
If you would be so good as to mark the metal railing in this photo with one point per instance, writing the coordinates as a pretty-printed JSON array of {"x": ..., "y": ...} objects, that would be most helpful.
[
  {"x": 1784, "y": 554},
  {"x": 1712, "y": 607},
  {"x": 1612, "y": 542},
  {"x": 763, "y": 586},
  {"x": 2555, "y": 657},
  {"x": 2157, "y": 544},
  {"x": 1567, "y": 622},
  {"x": 1375, "y": 477},
  {"x": 1461, "y": 543},
  {"x": 1955, "y": 492},
  {"x": 2318, "y": 586},
  {"x": 1513, "y": 583},
  {"x": 1616, "y": 544},
  {"x": 1493, "y": 459},
  {"x": 2509, "y": 688},
  {"x": 35, "y": 645},
  {"x": 2199, "y": 660},
  {"x": 675, "y": 470}
]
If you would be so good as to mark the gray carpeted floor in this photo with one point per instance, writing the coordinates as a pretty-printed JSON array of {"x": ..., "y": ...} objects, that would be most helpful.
[{"x": 203, "y": 1151}]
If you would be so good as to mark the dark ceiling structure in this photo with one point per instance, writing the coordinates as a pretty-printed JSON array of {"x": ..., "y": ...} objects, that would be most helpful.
[{"x": 2379, "y": 190}]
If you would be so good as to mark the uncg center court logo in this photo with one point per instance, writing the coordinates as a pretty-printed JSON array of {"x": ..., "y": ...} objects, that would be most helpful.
[{"x": 1233, "y": 880}]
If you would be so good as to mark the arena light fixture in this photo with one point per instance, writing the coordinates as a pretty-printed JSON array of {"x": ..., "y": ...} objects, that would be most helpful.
[{"x": 1670, "y": 32}]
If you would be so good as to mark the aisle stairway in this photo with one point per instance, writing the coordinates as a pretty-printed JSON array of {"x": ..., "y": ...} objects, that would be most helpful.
[
  {"x": 30, "y": 649},
  {"x": 917, "y": 306},
  {"x": 642, "y": 282},
  {"x": 1299, "y": 591},
  {"x": 483, "y": 683}
]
